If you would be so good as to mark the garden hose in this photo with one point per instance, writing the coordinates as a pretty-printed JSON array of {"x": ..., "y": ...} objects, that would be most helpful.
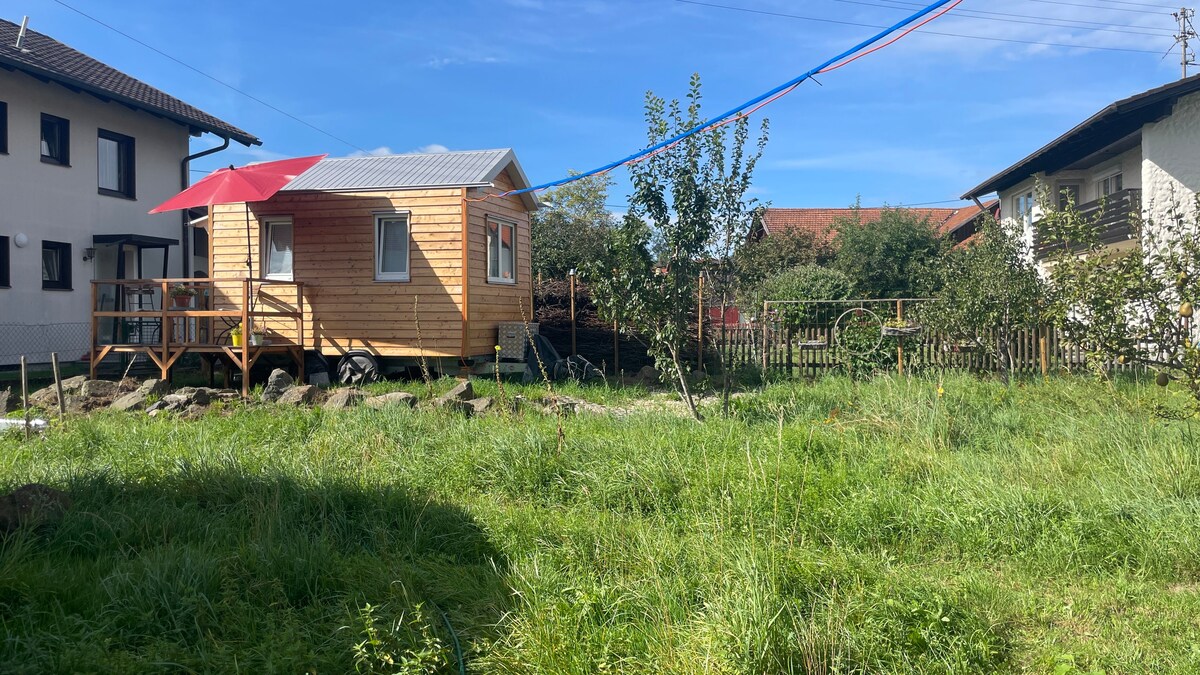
[{"x": 458, "y": 655}]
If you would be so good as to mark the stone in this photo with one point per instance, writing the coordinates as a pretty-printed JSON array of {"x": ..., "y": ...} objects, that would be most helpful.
[
  {"x": 455, "y": 405},
  {"x": 304, "y": 394},
  {"x": 463, "y": 391},
  {"x": 128, "y": 384},
  {"x": 7, "y": 401},
  {"x": 32, "y": 505},
  {"x": 390, "y": 399},
  {"x": 277, "y": 382},
  {"x": 481, "y": 405},
  {"x": 153, "y": 387},
  {"x": 194, "y": 412},
  {"x": 197, "y": 395},
  {"x": 174, "y": 401},
  {"x": 649, "y": 376},
  {"x": 98, "y": 389},
  {"x": 134, "y": 400},
  {"x": 344, "y": 398}
]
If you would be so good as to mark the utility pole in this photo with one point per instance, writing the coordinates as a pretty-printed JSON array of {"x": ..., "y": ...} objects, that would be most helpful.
[{"x": 1186, "y": 33}]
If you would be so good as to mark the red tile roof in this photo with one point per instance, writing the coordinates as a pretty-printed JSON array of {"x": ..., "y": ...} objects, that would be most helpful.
[{"x": 820, "y": 222}]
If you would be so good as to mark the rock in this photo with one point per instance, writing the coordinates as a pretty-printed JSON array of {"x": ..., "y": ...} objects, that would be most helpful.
[
  {"x": 480, "y": 405},
  {"x": 128, "y": 384},
  {"x": 319, "y": 379},
  {"x": 32, "y": 505},
  {"x": 72, "y": 385},
  {"x": 134, "y": 400},
  {"x": 48, "y": 397},
  {"x": 304, "y": 394},
  {"x": 7, "y": 401},
  {"x": 390, "y": 399},
  {"x": 277, "y": 383},
  {"x": 455, "y": 405},
  {"x": 174, "y": 401},
  {"x": 194, "y": 412},
  {"x": 197, "y": 395},
  {"x": 98, "y": 389},
  {"x": 649, "y": 376},
  {"x": 463, "y": 391},
  {"x": 155, "y": 408},
  {"x": 344, "y": 398},
  {"x": 154, "y": 387}
]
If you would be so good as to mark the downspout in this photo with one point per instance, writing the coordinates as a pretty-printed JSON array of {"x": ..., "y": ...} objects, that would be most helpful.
[{"x": 184, "y": 178}]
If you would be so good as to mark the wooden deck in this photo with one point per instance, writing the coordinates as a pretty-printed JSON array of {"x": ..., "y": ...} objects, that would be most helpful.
[{"x": 144, "y": 319}]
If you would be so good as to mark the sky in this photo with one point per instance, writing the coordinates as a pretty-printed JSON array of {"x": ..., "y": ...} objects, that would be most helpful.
[{"x": 563, "y": 82}]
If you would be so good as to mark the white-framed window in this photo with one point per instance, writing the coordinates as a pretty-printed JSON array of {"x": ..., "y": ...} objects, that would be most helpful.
[
  {"x": 277, "y": 248},
  {"x": 1112, "y": 183},
  {"x": 502, "y": 251},
  {"x": 391, "y": 247},
  {"x": 1023, "y": 208}
]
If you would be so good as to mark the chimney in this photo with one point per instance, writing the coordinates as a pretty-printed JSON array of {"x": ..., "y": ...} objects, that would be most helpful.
[{"x": 21, "y": 34}]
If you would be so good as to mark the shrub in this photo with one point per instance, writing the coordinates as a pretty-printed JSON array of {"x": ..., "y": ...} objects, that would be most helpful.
[{"x": 799, "y": 284}]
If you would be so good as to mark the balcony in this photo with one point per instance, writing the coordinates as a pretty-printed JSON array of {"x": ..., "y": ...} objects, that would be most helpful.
[{"x": 1111, "y": 217}]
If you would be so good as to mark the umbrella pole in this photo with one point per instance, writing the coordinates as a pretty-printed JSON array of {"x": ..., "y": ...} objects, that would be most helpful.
[{"x": 249, "y": 264}]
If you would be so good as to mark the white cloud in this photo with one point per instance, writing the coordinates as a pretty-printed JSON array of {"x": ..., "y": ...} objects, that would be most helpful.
[
  {"x": 376, "y": 152},
  {"x": 432, "y": 147},
  {"x": 445, "y": 61}
]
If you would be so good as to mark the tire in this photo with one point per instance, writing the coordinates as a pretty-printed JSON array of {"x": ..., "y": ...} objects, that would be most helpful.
[{"x": 358, "y": 368}]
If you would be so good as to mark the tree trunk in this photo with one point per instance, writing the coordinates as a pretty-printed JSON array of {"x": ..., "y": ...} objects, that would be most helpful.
[{"x": 684, "y": 390}]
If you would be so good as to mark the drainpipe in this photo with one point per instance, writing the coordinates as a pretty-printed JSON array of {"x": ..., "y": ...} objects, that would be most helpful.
[{"x": 184, "y": 181}]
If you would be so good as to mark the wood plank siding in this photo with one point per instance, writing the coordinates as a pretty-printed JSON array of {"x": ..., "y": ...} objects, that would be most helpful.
[{"x": 345, "y": 308}]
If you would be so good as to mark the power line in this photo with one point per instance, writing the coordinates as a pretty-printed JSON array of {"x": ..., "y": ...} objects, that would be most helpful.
[
  {"x": 924, "y": 32},
  {"x": 1107, "y": 9},
  {"x": 214, "y": 79},
  {"x": 1137, "y": 4},
  {"x": 1021, "y": 18}
]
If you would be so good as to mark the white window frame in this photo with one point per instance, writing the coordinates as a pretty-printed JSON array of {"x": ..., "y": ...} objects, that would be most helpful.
[
  {"x": 269, "y": 223},
  {"x": 1023, "y": 204},
  {"x": 380, "y": 217},
  {"x": 500, "y": 223},
  {"x": 1105, "y": 176}
]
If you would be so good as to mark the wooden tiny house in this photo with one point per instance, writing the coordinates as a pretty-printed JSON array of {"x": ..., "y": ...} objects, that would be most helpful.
[{"x": 380, "y": 243}]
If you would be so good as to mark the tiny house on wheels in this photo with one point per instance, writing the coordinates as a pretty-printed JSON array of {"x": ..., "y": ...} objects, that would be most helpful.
[{"x": 390, "y": 259}]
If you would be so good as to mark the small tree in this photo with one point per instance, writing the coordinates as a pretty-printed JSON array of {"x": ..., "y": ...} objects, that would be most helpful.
[
  {"x": 757, "y": 260},
  {"x": 681, "y": 196},
  {"x": 987, "y": 292},
  {"x": 572, "y": 229},
  {"x": 1133, "y": 306},
  {"x": 888, "y": 258}
]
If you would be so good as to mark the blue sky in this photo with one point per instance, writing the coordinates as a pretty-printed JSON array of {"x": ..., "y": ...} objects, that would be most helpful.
[{"x": 562, "y": 81}]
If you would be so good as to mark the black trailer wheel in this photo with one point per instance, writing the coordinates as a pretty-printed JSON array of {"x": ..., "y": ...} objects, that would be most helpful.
[{"x": 358, "y": 368}]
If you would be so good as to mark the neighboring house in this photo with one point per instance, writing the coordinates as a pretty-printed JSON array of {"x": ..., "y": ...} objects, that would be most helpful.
[
  {"x": 1140, "y": 153},
  {"x": 821, "y": 223},
  {"x": 379, "y": 243},
  {"x": 85, "y": 152}
]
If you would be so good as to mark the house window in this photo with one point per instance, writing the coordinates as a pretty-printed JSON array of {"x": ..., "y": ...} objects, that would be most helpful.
[
  {"x": 56, "y": 140},
  {"x": 3, "y": 128},
  {"x": 56, "y": 265},
  {"x": 4, "y": 276},
  {"x": 1068, "y": 194},
  {"x": 1110, "y": 185},
  {"x": 277, "y": 245},
  {"x": 391, "y": 247},
  {"x": 114, "y": 163},
  {"x": 502, "y": 251},
  {"x": 1023, "y": 208}
]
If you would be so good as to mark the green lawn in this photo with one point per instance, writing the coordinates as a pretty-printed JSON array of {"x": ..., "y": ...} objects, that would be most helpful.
[{"x": 827, "y": 528}]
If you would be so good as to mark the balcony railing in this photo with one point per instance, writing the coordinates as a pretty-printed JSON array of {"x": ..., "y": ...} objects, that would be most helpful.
[{"x": 1111, "y": 216}]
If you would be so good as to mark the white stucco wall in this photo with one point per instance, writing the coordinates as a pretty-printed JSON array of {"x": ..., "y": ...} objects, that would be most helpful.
[
  {"x": 1171, "y": 159},
  {"x": 57, "y": 203}
]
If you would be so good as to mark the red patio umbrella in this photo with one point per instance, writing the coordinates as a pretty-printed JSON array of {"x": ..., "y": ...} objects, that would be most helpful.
[{"x": 250, "y": 183}]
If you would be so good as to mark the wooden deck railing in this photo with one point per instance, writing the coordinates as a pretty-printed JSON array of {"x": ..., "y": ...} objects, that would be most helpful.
[
  {"x": 1111, "y": 217},
  {"x": 140, "y": 316}
]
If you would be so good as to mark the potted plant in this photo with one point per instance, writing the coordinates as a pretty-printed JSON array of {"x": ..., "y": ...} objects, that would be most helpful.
[
  {"x": 256, "y": 337},
  {"x": 899, "y": 328},
  {"x": 181, "y": 296},
  {"x": 235, "y": 335}
]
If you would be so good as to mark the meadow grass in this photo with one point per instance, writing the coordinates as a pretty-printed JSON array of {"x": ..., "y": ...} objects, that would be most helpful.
[{"x": 822, "y": 528}]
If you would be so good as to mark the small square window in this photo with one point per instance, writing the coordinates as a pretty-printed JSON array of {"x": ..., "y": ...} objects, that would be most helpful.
[
  {"x": 391, "y": 247},
  {"x": 502, "y": 251},
  {"x": 4, "y": 261},
  {"x": 278, "y": 248},
  {"x": 56, "y": 140},
  {"x": 3, "y": 128},
  {"x": 114, "y": 164},
  {"x": 56, "y": 265}
]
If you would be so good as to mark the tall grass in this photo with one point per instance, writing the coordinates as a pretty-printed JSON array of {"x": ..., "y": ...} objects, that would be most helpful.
[{"x": 828, "y": 528}]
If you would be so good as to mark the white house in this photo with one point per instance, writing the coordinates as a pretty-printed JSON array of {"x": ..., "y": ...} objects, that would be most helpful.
[
  {"x": 1142, "y": 152},
  {"x": 85, "y": 152}
]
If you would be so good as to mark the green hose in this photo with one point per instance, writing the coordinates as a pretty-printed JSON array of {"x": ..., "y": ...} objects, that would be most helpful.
[{"x": 462, "y": 664}]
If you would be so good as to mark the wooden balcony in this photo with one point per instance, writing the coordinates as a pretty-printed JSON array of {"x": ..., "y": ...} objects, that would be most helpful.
[
  {"x": 1111, "y": 217},
  {"x": 140, "y": 316}
]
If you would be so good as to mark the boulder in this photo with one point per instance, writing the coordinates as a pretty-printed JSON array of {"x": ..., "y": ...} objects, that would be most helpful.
[
  {"x": 481, "y": 405},
  {"x": 344, "y": 398},
  {"x": 277, "y": 383},
  {"x": 390, "y": 399},
  {"x": 98, "y": 389},
  {"x": 304, "y": 394},
  {"x": 32, "y": 505},
  {"x": 154, "y": 387},
  {"x": 648, "y": 376},
  {"x": 463, "y": 391},
  {"x": 134, "y": 400},
  {"x": 47, "y": 397},
  {"x": 7, "y": 401},
  {"x": 197, "y": 395}
]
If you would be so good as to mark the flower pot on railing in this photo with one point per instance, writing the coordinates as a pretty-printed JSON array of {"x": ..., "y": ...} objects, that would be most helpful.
[{"x": 181, "y": 296}]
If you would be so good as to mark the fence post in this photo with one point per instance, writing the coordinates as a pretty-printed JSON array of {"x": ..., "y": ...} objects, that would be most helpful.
[
  {"x": 1045, "y": 356},
  {"x": 571, "y": 274},
  {"x": 25, "y": 394},
  {"x": 763, "y": 324},
  {"x": 700, "y": 323},
  {"x": 62, "y": 403},
  {"x": 900, "y": 341},
  {"x": 616, "y": 347}
]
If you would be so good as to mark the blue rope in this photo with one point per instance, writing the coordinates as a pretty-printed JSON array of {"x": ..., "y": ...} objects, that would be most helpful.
[{"x": 730, "y": 113}]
